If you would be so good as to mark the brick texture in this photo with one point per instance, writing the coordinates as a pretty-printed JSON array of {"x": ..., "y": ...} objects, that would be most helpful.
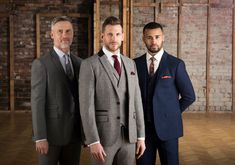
[
  {"x": 221, "y": 60},
  {"x": 4, "y": 65},
  {"x": 193, "y": 51}
]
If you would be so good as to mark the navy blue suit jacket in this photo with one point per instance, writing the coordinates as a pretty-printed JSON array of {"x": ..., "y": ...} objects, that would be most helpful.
[{"x": 173, "y": 93}]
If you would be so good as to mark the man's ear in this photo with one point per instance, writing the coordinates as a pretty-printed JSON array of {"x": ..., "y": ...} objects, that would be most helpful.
[
  {"x": 101, "y": 36},
  {"x": 143, "y": 39},
  {"x": 52, "y": 35},
  {"x": 123, "y": 36}
]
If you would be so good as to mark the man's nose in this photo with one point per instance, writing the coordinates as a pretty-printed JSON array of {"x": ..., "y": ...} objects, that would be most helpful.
[
  {"x": 114, "y": 37},
  {"x": 64, "y": 34},
  {"x": 154, "y": 40}
]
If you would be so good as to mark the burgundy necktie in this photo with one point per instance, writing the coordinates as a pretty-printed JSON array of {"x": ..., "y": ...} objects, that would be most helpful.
[
  {"x": 151, "y": 66},
  {"x": 117, "y": 64}
]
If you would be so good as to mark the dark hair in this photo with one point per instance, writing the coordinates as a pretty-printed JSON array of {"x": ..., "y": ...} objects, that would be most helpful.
[
  {"x": 111, "y": 21},
  {"x": 152, "y": 25},
  {"x": 60, "y": 18}
]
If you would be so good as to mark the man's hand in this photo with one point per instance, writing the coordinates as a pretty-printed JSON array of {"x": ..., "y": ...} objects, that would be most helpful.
[
  {"x": 42, "y": 147},
  {"x": 97, "y": 152},
  {"x": 140, "y": 147}
]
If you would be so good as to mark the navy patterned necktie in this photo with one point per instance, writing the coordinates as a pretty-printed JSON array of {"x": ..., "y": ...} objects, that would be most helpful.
[{"x": 117, "y": 64}]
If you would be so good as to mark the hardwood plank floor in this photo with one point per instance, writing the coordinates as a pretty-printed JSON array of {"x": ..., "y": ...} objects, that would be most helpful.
[{"x": 209, "y": 139}]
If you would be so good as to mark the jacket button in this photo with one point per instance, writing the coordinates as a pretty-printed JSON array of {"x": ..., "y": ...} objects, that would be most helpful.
[
  {"x": 118, "y": 117},
  {"x": 118, "y": 103}
]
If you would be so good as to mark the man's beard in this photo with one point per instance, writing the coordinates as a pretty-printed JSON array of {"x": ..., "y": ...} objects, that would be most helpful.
[
  {"x": 110, "y": 48},
  {"x": 154, "y": 51},
  {"x": 65, "y": 45}
]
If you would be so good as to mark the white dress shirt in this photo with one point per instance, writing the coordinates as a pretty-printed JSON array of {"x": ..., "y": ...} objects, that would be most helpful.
[
  {"x": 62, "y": 59},
  {"x": 157, "y": 56},
  {"x": 109, "y": 56}
]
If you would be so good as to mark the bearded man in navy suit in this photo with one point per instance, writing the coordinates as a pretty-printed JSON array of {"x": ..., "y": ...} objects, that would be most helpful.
[{"x": 166, "y": 92}]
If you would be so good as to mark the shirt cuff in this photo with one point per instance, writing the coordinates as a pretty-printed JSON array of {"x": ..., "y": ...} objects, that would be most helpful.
[
  {"x": 93, "y": 143},
  {"x": 40, "y": 140},
  {"x": 141, "y": 138}
]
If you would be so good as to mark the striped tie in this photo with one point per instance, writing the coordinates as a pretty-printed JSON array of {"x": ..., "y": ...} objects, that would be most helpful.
[{"x": 151, "y": 67}]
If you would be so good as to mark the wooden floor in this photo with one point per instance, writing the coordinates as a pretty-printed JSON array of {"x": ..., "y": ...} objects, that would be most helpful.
[{"x": 209, "y": 139}]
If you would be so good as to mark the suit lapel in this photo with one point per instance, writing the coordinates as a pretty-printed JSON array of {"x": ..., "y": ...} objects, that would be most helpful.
[
  {"x": 75, "y": 66},
  {"x": 108, "y": 68},
  {"x": 56, "y": 61},
  {"x": 127, "y": 70},
  {"x": 143, "y": 74},
  {"x": 162, "y": 66}
]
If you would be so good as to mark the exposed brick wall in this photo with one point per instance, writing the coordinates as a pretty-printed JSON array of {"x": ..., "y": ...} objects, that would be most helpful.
[
  {"x": 24, "y": 53},
  {"x": 193, "y": 50},
  {"x": 24, "y": 20},
  {"x": 197, "y": 1},
  {"x": 4, "y": 65},
  {"x": 221, "y": 60}
]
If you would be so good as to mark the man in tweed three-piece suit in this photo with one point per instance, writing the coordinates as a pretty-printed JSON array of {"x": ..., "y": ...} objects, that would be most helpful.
[{"x": 111, "y": 106}]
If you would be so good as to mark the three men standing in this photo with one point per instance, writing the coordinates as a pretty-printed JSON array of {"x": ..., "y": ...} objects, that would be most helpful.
[{"x": 113, "y": 119}]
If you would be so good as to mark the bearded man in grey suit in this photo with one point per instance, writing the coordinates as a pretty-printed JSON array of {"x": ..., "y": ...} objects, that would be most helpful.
[
  {"x": 110, "y": 106},
  {"x": 54, "y": 99}
]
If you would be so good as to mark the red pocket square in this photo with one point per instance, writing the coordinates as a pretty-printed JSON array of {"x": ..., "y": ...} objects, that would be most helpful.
[
  {"x": 132, "y": 73},
  {"x": 165, "y": 77}
]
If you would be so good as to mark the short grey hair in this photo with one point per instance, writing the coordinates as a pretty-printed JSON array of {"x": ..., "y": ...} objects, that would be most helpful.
[{"x": 59, "y": 19}]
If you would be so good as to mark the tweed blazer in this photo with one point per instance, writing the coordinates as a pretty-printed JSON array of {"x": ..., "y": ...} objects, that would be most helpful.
[{"x": 99, "y": 101}]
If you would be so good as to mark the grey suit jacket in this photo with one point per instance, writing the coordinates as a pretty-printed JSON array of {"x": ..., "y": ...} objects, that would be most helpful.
[
  {"x": 99, "y": 101},
  {"x": 55, "y": 105}
]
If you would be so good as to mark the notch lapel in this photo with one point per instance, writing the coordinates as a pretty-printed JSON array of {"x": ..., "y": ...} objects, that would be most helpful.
[
  {"x": 108, "y": 68},
  {"x": 143, "y": 74},
  {"x": 56, "y": 61},
  {"x": 75, "y": 65},
  {"x": 162, "y": 67}
]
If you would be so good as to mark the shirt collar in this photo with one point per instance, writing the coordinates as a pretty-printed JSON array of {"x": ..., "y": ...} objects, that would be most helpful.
[
  {"x": 109, "y": 54},
  {"x": 59, "y": 52},
  {"x": 157, "y": 56}
]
